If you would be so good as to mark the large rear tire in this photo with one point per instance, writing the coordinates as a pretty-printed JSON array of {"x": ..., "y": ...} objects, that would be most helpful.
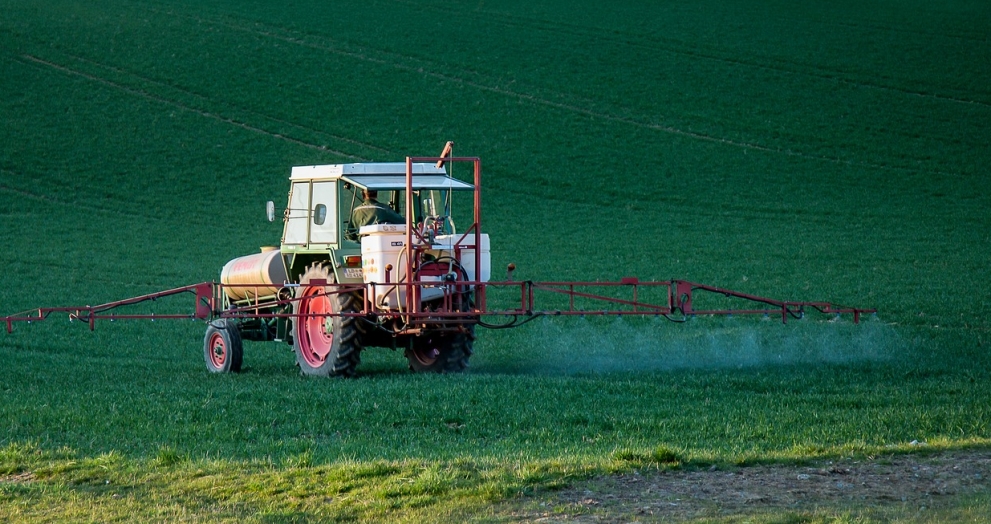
[
  {"x": 223, "y": 350},
  {"x": 441, "y": 352},
  {"x": 325, "y": 346},
  {"x": 444, "y": 351}
]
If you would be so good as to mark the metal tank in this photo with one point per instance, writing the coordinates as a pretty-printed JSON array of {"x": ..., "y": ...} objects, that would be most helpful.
[{"x": 265, "y": 272}]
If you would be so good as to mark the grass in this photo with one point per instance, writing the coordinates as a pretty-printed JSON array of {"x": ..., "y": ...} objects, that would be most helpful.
[{"x": 832, "y": 152}]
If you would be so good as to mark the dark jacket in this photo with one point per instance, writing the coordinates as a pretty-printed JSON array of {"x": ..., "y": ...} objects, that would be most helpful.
[{"x": 374, "y": 212}]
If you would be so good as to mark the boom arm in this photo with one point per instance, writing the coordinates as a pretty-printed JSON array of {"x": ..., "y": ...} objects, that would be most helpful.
[{"x": 629, "y": 296}]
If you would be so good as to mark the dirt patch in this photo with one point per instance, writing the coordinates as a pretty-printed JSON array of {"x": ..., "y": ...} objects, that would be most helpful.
[
  {"x": 27, "y": 476},
  {"x": 913, "y": 481}
]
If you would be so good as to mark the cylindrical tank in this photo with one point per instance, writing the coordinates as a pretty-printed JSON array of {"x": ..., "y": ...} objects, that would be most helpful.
[{"x": 264, "y": 271}]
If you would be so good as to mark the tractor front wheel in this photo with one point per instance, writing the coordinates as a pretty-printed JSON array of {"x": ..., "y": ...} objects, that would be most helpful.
[
  {"x": 325, "y": 345},
  {"x": 222, "y": 347}
]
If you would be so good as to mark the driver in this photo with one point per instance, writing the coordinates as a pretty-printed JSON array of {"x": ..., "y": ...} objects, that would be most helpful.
[{"x": 371, "y": 211}]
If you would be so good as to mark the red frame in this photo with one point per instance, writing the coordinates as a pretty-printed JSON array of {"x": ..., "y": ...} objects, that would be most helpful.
[
  {"x": 679, "y": 293},
  {"x": 679, "y": 301}
]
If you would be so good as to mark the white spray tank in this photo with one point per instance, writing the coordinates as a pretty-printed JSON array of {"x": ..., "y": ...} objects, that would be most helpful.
[{"x": 384, "y": 245}]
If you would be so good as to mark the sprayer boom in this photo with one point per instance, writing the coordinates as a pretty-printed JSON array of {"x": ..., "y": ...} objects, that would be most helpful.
[{"x": 629, "y": 296}]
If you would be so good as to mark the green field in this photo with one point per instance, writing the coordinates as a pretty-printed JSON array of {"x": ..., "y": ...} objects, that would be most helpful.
[{"x": 808, "y": 151}]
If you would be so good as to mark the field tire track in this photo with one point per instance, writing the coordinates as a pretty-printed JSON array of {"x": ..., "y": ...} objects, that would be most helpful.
[
  {"x": 207, "y": 99},
  {"x": 873, "y": 27},
  {"x": 114, "y": 212},
  {"x": 294, "y": 39},
  {"x": 27, "y": 58},
  {"x": 76, "y": 205},
  {"x": 975, "y": 37},
  {"x": 680, "y": 48},
  {"x": 80, "y": 206},
  {"x": 188, "y": 92}
]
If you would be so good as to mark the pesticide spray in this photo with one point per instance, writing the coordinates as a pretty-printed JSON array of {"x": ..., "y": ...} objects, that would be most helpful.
[{"x": 596, "y": 345}]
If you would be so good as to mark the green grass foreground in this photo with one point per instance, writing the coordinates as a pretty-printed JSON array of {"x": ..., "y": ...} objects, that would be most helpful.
[
  {"x": 268, "y": 445},
  {"x": 60, "y": 486},
  {"x": 835, "y": 151},
  {"x": 169, "y": 487},
  {"x": 109, "y": 487}
]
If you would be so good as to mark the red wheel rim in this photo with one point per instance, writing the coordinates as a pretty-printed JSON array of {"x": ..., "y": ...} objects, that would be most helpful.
[
  {"x": 218, "y": 350},
  {"x": 314, "y": 340},
  {"x": 427, "y": 353}
]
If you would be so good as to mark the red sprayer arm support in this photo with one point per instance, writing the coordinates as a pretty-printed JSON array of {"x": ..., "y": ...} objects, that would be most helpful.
[
  {"x": 205, "y": 301},
  {"x": 629, "y": 296}
]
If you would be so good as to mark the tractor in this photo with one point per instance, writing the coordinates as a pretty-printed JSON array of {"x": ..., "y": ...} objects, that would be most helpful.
[
  {"x": 334, "y": 287},
  {"x": 407, "y": 278}
]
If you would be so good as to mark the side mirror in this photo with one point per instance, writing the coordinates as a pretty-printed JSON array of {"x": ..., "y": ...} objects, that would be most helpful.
[
  {"x": 319, "y": 214},
  {"x": 270, "y": 211}
]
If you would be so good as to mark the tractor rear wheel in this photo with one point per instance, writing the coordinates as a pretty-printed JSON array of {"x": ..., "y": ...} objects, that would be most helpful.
[
  {"x": 325, "y": 346},
  {"x": 444, "y": 351},
  {"x": 222, "y": 347},
  {"x": 441, "y": 352}
]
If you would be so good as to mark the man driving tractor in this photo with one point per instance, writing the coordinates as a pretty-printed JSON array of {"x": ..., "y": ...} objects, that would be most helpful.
[{"x": 371, "y": 211}]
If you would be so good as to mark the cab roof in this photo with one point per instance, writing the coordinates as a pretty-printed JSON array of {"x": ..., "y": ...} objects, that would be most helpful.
[{"x": 382, "y": 175}]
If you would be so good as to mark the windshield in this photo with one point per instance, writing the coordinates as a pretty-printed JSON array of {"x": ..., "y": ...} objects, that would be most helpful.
[{"x": 428, "y": 205}]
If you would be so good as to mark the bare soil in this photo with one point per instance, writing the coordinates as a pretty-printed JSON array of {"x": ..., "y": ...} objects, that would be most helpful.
[{"x": 912, "y": 482}]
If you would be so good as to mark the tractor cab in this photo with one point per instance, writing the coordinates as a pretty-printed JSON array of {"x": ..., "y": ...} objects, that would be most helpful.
[
  {"x": 323, "y": 199},
  {"x": 432, "y": 198}
]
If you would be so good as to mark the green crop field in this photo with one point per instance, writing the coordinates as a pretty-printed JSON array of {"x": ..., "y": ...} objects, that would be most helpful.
[{"x": 832, "y": 151}]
